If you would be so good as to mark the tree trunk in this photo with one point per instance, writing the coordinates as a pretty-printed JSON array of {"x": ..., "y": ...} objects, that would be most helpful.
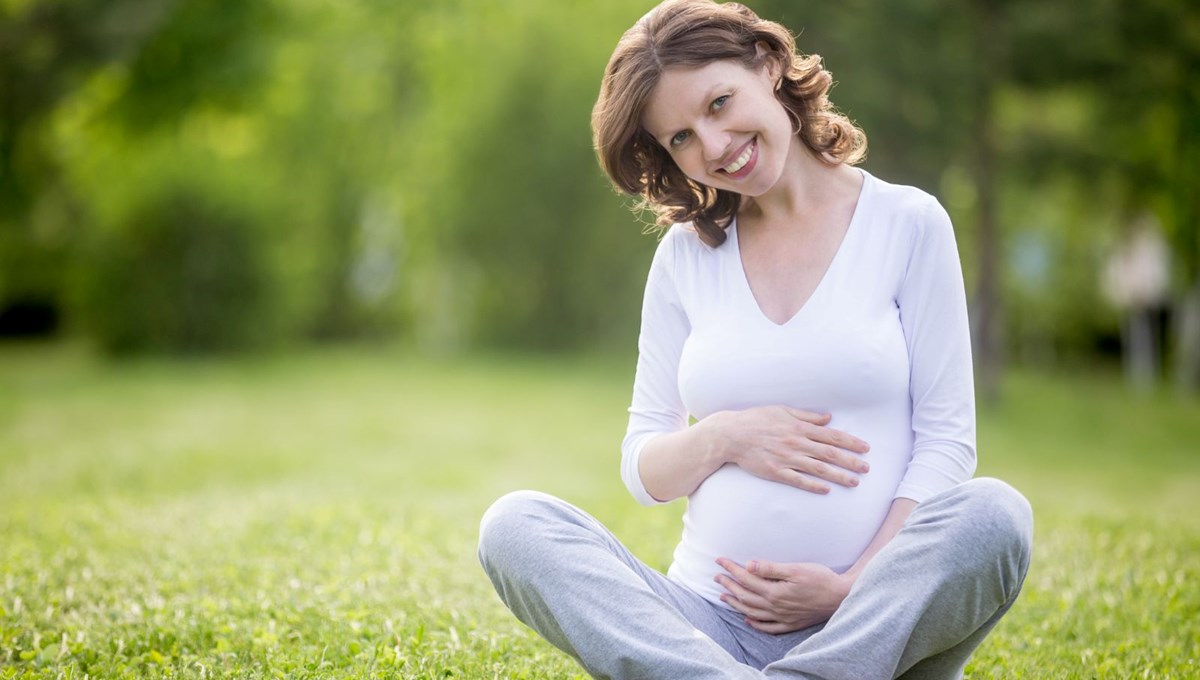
[
  {"x": 1187, "y": 239},
  {"x": 1141, "y": 364},
  {"x": 1187, "y": 341},
  {"x": 987, "y": 308}
]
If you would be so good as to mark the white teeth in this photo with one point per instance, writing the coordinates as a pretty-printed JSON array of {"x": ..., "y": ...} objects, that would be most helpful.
[{"x": 741, "y": 161}]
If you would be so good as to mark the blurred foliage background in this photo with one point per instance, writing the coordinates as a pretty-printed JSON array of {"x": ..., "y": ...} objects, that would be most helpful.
[{"x": 195, "y": 176}]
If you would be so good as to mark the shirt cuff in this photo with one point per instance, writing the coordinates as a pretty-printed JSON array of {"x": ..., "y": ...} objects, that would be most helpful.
[{"x": 630, "y": 474}]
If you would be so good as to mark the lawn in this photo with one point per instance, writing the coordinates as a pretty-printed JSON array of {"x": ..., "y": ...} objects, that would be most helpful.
[{"x": 315, "y": 514}]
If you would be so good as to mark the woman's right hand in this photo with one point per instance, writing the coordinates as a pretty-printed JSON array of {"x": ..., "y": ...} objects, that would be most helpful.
[{"x": 788, "y": 445}]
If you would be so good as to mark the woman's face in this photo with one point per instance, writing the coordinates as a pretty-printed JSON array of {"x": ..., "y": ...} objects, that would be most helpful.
[{"x": 722, "y": 125}]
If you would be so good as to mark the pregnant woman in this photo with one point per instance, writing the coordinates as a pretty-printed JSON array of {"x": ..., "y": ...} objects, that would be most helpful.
[{"x": 811, "y": 319}]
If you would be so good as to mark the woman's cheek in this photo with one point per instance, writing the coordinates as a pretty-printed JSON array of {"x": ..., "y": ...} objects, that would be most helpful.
[{"x": 690, "y": 167}]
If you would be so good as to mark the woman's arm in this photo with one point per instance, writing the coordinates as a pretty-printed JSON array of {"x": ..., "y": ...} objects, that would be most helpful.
[
  {"x": 933, "y": 315},
  {"x": 778, "y": 443},
  {"x": 897, "y": 515}
]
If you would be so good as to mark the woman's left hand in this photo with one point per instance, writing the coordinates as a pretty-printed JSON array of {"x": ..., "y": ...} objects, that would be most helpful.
[{"x": 782, "y": 597}]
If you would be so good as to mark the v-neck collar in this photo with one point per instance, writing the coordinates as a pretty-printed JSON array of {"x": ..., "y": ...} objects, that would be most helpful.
[{"x": 860, "y": 209}]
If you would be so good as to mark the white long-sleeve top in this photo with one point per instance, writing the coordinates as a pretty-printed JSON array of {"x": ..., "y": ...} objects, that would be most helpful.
[{"x": 882, "y": 344}]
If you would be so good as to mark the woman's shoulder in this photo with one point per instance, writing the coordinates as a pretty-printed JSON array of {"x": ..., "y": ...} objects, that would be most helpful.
[
  {"x": 683, "y": 236},
  {"x": 684, "y": 258},
  {"x": 902, "y": 200},
  {"x": 910, "y": 213},
  {"x": 681, "y": 241}
]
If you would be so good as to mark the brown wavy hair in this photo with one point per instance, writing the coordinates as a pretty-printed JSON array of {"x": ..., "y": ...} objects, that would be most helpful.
[{"x": 691, "y": 34}]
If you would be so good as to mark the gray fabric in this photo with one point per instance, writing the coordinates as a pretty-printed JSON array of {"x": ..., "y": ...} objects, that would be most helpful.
[{"x": 917, "y": 611}]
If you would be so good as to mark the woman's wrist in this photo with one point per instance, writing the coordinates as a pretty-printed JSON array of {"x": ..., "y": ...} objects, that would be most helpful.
[
  {"x": 713, "y": 439},
  {"x": 845, "y": 581}
]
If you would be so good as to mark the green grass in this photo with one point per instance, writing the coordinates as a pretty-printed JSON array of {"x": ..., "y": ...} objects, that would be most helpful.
[{"x": 315, "y": 515}]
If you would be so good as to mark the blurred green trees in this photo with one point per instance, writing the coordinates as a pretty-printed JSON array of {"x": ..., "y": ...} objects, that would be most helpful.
[
  {"x": 183, "y": 274},
  {"x": 423, "y": 170}
]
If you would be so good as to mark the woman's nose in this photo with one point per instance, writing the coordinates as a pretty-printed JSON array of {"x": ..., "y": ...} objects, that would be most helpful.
[{"x": 714, "y": 142}]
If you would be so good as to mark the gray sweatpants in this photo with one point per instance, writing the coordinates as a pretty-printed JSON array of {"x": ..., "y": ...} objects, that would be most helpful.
[{"x": 918, "y": 610}]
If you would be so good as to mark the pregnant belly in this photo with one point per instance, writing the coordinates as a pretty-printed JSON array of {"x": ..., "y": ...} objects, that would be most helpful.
[{"x": 737, "y": 515}]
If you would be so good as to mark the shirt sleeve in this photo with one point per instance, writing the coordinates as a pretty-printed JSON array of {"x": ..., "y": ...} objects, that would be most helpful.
[
  {"x": 933, "y": 313},
  {"x": 657, "y": 407}
]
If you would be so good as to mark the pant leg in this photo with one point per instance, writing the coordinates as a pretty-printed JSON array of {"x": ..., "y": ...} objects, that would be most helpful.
[
  {"x": 931, "y": 595},
  {"x": 564, "y": 575}
]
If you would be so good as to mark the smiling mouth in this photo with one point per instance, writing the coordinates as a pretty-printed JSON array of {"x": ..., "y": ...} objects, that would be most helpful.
[{"x": 743, "y": 158}]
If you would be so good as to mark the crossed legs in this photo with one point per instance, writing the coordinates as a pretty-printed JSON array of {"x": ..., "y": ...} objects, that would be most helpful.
[{"x": 918, "y": 610}]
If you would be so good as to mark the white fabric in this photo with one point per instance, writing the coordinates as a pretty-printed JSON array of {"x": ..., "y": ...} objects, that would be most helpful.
[{"x": 882, "y": 344}]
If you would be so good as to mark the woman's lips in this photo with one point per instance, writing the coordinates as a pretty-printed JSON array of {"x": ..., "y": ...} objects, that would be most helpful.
[{"x": 744, "y": 163}]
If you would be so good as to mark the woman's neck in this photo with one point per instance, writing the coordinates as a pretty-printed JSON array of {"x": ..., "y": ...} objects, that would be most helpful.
[{"x": 807, "y": 187}]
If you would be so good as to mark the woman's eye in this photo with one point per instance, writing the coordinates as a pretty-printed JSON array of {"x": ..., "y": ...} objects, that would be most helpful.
[
  {"x": 679, "y": 138},
  {"x": 720, "y": 101}
]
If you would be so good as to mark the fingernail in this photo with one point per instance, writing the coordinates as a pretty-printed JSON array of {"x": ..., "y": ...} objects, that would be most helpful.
[
  {"x": 752, "y": 566},
  {"x": 853, "y": 482}
]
